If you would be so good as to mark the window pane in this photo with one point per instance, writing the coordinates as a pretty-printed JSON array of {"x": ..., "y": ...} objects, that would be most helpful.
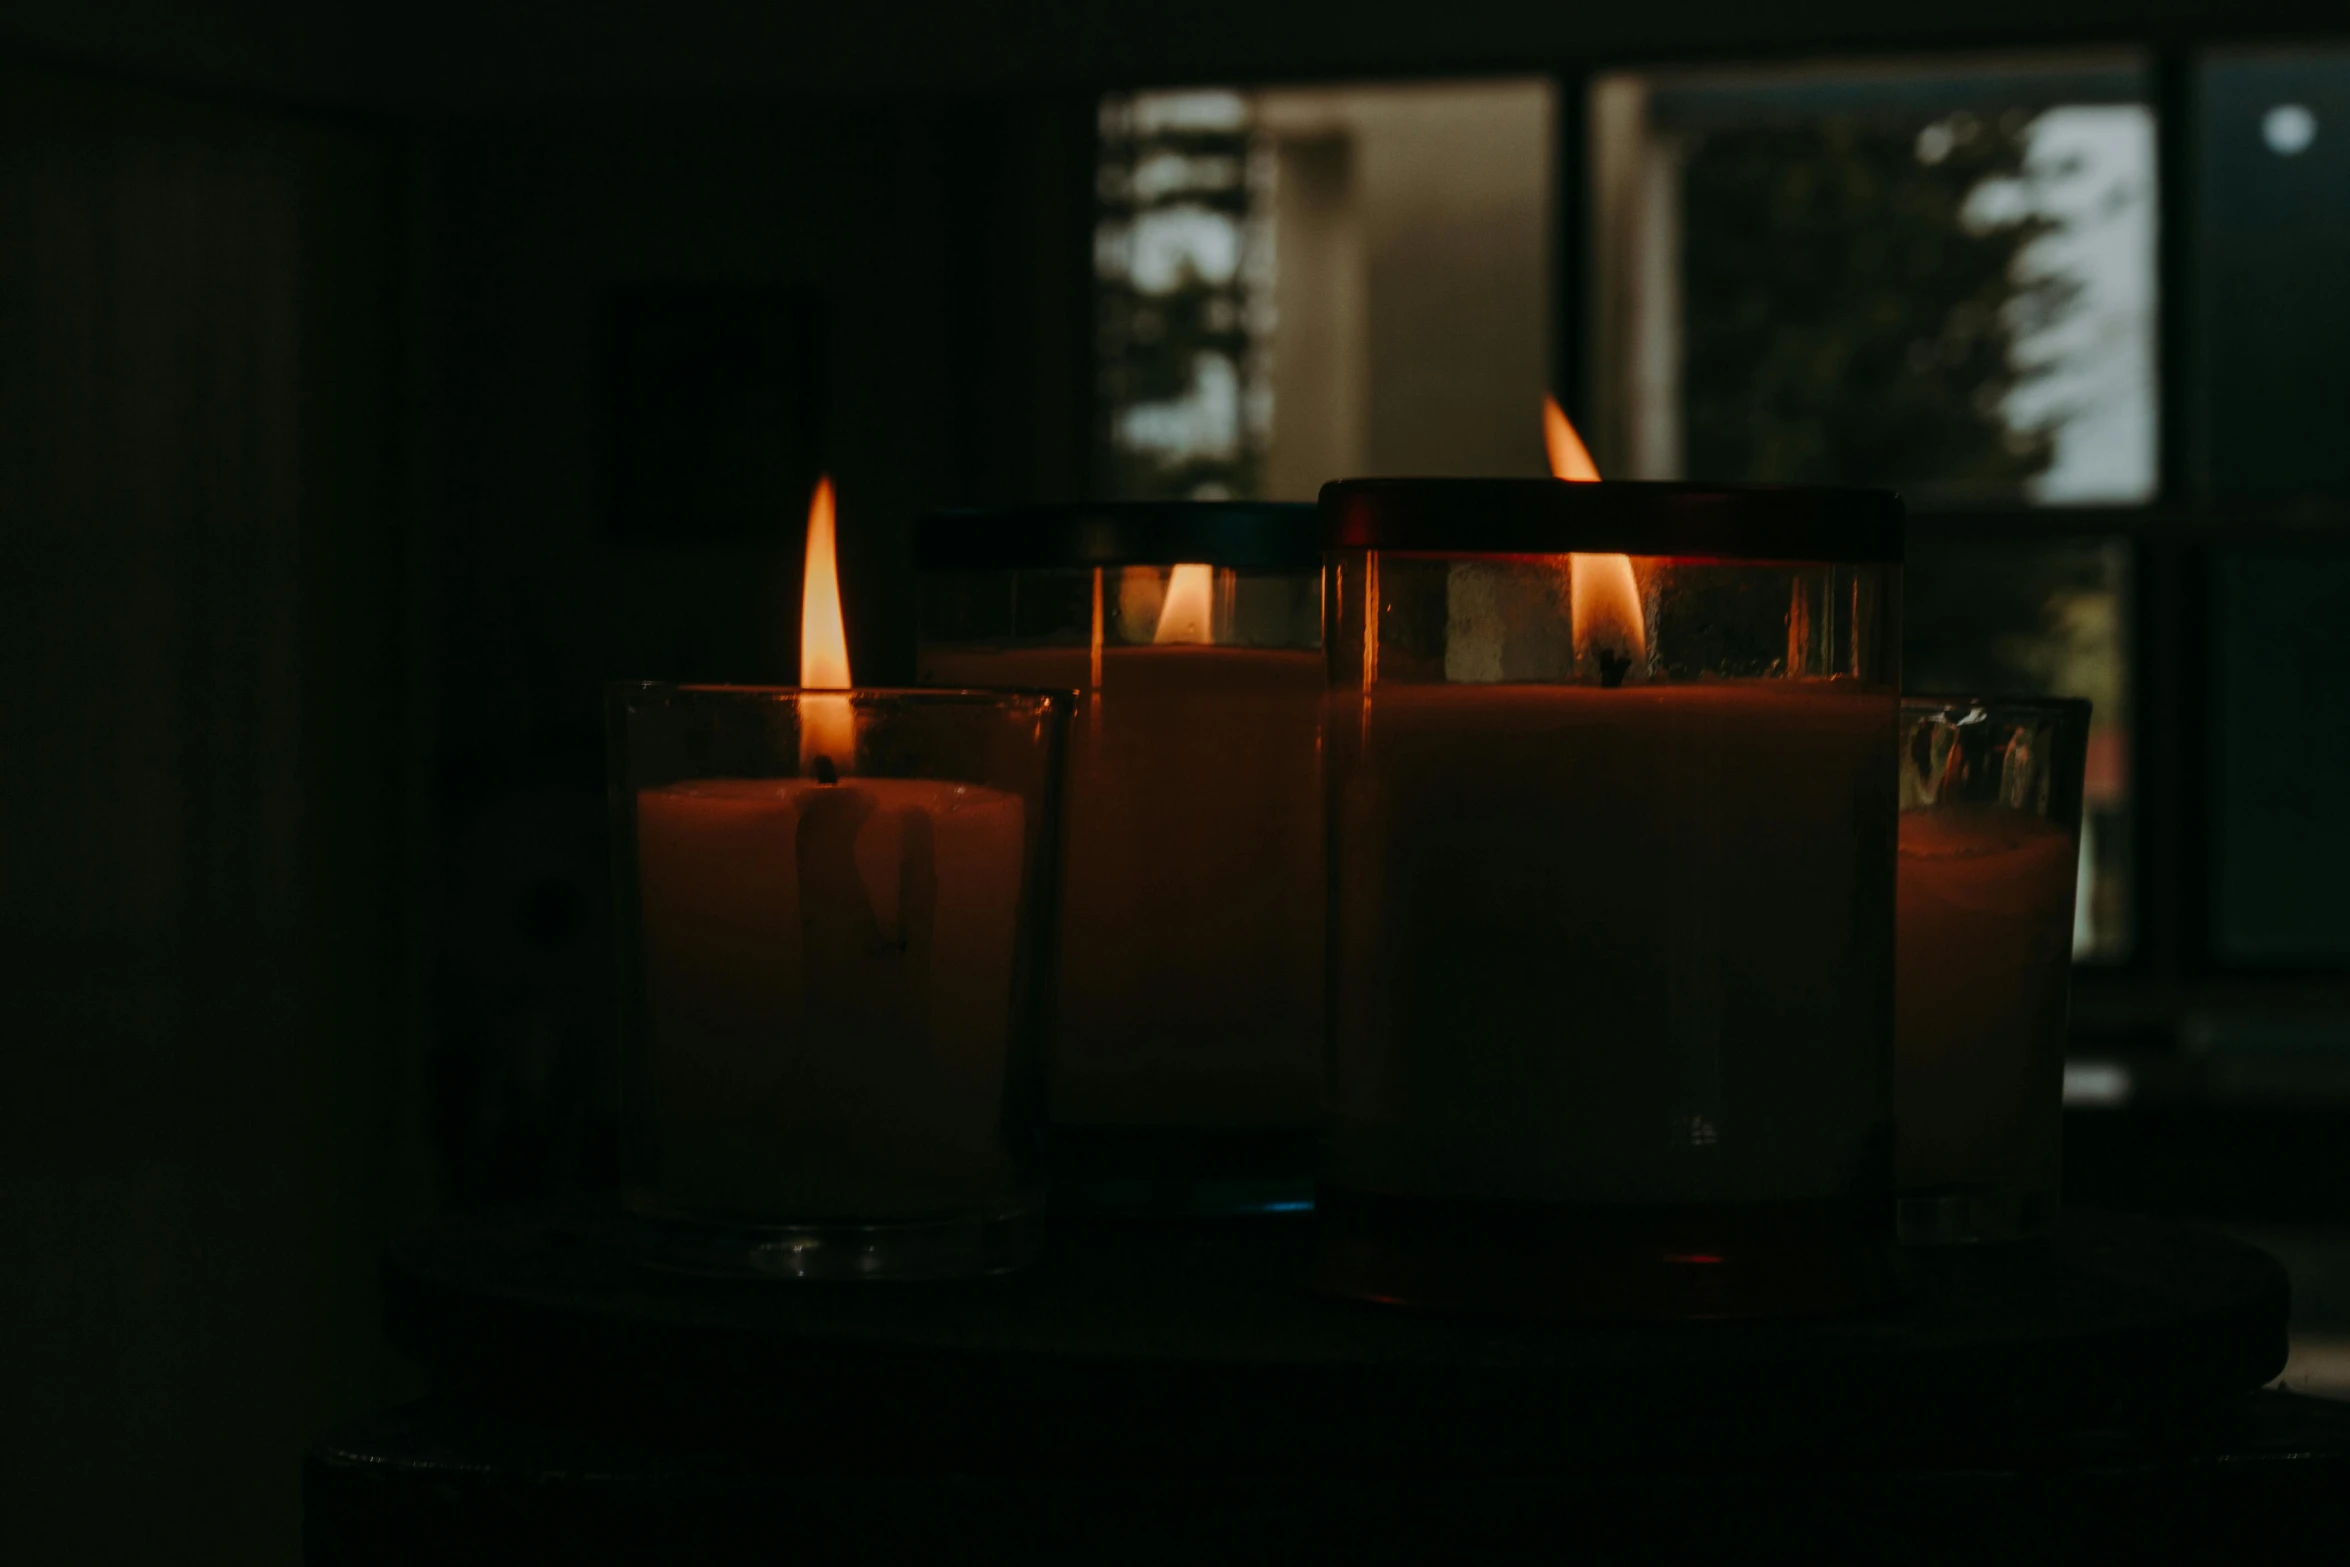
[
  {"x": 1299, "y": 285},
  {"x": 2274, "y": 209},
  {"x": 2280, "y": 687},
  {"x": 2039, "y": 619},
  {"x": 1941, "y": 279}
]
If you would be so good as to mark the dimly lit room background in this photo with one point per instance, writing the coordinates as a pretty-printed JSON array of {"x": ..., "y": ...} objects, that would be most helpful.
[{"x": 375, "y": 384}]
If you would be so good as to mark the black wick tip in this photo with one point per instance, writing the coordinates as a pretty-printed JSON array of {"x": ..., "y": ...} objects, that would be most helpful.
[
  {"x": 825, "y": 772},
  {"x": 1613, "y": 667}
]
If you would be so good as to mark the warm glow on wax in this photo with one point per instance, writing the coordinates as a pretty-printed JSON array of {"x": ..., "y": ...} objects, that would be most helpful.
[
  {"x": 1189, "y": 610},
  {"x": 827, "y": 726},
  {"x": 1603, "y": 600}
]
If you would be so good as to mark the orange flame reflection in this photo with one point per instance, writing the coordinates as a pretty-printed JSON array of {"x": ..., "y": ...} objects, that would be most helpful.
[
  {"x": 1189, "y": 611},
  {"x": 1603, "y": 598},
  {"x": 827, "y": 726}
]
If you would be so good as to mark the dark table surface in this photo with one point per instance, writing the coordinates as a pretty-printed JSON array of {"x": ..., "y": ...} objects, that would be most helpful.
[
  {"x": 1155, "y": 1391},
  {"x": 1207, "y": 1322},
  {"x": 447, "y": 1481}
]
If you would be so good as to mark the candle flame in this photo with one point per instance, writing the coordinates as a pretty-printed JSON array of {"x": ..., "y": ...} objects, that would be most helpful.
[
  {"x": 1603, "y": 598},
  {"x": 827, "y": 726},
  {"x": 1569, "y": 458},
  {"x": 824, "y": 639},
  {"x": 1189, "y": 611},
  {"x": 1603, "y": 601}
]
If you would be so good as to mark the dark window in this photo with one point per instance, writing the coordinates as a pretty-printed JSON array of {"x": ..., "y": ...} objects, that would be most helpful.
[
  {"x": 2273, "y": 178},
  {"x": 2280, "y": 756}
]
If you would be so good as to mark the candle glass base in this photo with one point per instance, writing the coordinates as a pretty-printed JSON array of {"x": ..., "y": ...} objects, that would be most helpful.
[
  {"x": 1973, "y": 1216},
  {"x": 963, "y": 1245},
  {"x": 1597, "y": 1262},
  {"x": 1181, "y": 1172}
]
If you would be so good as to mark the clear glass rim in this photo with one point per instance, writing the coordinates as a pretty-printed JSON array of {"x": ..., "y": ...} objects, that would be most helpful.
[
  {"x": 1005, "y": 698},
  {"x": 1924, "y": 704},
  {"x": 1281, "y": 537},
  {"x": 1732, "y": 523}
]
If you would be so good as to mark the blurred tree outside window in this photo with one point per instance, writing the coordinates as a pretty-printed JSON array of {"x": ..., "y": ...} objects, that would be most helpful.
[
  {"x": 1941, "y": 282},
  {"x": 1179, "y": 270},
  {"x": 1854, "y": 311}
]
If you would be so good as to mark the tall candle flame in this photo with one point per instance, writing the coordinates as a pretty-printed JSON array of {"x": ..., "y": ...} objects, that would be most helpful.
[
  {"x": 1603, "y": 598},
  {"x": 1569, "y": 457},
  {"x": 1188, "y": 615},
  {"x": 827, "y": 725}
]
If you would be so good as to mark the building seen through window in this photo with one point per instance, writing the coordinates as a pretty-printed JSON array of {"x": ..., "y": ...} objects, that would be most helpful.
[{"x": 1299, "y": 284}]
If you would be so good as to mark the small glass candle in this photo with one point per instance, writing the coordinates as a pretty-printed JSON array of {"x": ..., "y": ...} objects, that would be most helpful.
[
  {"x": 1611, "y": 895},
  {"x": 1990, "y": 857},
  {"x": 837, "y": 917},
  {"x": 1186, "y": 1070}
]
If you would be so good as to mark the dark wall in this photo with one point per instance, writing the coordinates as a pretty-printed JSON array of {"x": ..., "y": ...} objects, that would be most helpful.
[
  {"x": 538, "y": 47},
  {"x": 207, "y": 884},
  {"x": 470, "y": 55},
  {"x": 308, "y": 596},
  {"x": 941, "y": 249}
]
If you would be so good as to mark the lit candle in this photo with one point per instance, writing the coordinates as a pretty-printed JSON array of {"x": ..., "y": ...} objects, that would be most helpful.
[
  {"x": 1610, "y": 946},
  {"x": 1191, "y": 962},
  {"x": 1191, "y": 967},
  {"x": 1612, "y": 894},
  {"x": 829, "y": 963},
  {"x": 827, "y": 723}
]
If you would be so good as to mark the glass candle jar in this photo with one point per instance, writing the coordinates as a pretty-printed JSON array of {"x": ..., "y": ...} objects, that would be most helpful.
[
  {"x": 1186, "y": 1064},
  {"x": 1990, "y": 857},
  {"x": 1611, "y": 891},
  {"x": 837, "y": 923}
]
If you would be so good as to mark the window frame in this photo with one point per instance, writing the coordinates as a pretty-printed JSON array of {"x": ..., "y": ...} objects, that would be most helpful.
[
  {"x": 2172, "y": 970},
  {"x": 2147, "y": 1000}
]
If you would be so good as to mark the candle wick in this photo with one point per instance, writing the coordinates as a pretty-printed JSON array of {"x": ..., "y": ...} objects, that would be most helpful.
[
  {"x": 1613, "y": 667},
  {"x": 825, "y": 772}
]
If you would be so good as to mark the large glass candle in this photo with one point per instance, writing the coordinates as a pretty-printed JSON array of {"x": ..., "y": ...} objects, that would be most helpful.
[
  {"x": 836, "y": 931},
  {"x": 1990, "y": 856},
  {"x": 1186, "y": 1066},
  {"x": 1611, "y": 914}
]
